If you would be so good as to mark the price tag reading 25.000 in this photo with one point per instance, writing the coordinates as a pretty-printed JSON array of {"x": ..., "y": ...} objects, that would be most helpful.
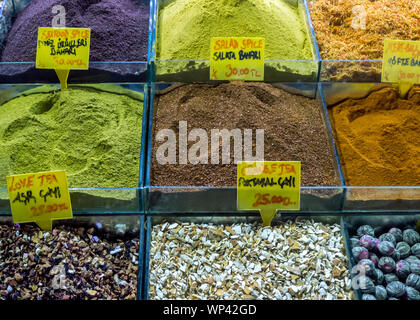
[
  {"x": 237, "y": 59},
  {"x": 268, "y": 186},
  {"x": 40, "y": 198}
]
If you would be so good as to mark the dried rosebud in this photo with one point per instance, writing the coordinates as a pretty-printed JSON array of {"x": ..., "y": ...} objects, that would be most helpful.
[
  {"x": 374, "y": 258},
  {"x": 386, "y": 264},
  {"x": 366, "y": 284},
  {"x": 368, "y": 267},
  {"x": 386, "y": 248},
  {"x": 403, "y": 248},
  {"x": 415, "y": 250},
  {"x": 397, "y": 233},
  {"x": 402, "y": 269},
  {"x": 413, "y": 280},
  {"x": 379, "y": 276},
  {"x": 367, "y": 242},
  {"x": 360, "y": 253},
  {"x": 415, "y": 266},
  {"x": 390, "y": 278},
  {"x": 365, "y": 230},
  {"x": 411, "y": 237},
  {"x": 380, "y": 293},
  {"x": 412, "y": 294},
  {"x": 396, "y": 289},
  {"x": 368, "y": 297},
  {"x": 388, "y": 237}
]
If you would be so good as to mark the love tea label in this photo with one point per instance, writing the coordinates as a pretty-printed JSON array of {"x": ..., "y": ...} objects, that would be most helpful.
[
  {"x": 237, "y": 59},
  {"x": 401, "y": 61},
  {"x": 268, "y": 186},
  {"x": 63, "y": 48},
  {"x": 40, "y": 198}
]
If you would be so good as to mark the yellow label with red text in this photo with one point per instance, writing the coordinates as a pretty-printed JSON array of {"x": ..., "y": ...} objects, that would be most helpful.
[
  {"x": 268, "y": 186},
  {"x": 401, "y": 61},
  {"x": 63, "y": 48},
  {"x": 39, "y": 197},
  {"x": 237, "y": 59}
]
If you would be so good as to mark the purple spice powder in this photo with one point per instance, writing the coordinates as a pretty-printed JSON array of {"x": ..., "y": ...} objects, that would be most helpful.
[{"x": 120, "y": 28}]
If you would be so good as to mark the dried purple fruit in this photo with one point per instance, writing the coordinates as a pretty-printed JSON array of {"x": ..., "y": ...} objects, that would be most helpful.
[
  {"x": 386, "y": 248},
  {"x": 413, "y": 280},
  {"x": 388, "y": 237},
  {"x": 360, "y": 253},
  {"x": 397, "y": 233},
  {"x": 402, "y": 269},
  {"x": 367, "y": 242},
  {"x": 412, "y": 294},
  {"x": 365, "y": 230},
  {"x": 411, "y": 237},
  {"x": 368, "y": 266},
  {"x": 386, "y": 264},
  {"x": 390, "y": 277},
  {"x": 380, "y": 293},
  {"x": 403, "y": 248},
  {"x": 396, "y": 289},
  {"x": 415, "y": 250},
  {"x": 368, "y": 297},
  {"x": 374, "y": 258}
]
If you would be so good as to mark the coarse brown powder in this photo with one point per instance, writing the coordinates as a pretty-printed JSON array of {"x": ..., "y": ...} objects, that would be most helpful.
[{"x": 293, "y": 130}]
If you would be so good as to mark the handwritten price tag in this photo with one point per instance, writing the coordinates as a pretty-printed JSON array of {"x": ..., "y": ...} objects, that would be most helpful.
[
  {"x": 401, "y": 63},
  {"x": 40, "y": 198},
  {"x": 237, "y": 59},
  {"x": 268, "y": 186}
]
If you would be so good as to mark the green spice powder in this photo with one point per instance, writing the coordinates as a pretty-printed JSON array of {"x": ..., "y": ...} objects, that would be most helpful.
[
  {"x": 94, "y": 135},
  {"x": 186, "y": 26}
]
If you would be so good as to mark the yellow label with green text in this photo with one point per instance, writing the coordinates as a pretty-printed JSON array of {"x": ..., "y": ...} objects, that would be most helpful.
[
  {"x": 401, "y": 61},
  {"x": 63, "y": 48},
  {"x": 268, "y": 186},
  {"x": 237, "y": 59},
  {"x": 39, "y": 197}
]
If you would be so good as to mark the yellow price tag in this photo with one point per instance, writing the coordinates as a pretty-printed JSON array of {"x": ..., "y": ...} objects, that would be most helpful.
[
  {"x": 401, "y": 63},
  {"x": 63, "y": 49},
  {"x": 40, "y": 198},
  {"x": 268, "y": 186},
  {"x": 237, "y": 59}
]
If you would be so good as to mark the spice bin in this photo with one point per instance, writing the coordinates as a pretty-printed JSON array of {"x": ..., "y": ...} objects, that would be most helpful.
[
  {"x": 177, "y": 62},
  {"x": 104, "y": 192},
  {"x": 109, "y": 63}
]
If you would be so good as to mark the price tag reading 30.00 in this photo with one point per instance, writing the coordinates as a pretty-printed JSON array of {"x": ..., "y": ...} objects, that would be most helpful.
[
  {"x": 268, "y": 186},
  {"x": 40, "y": 198},
  {"x": 237, "y": 59}
]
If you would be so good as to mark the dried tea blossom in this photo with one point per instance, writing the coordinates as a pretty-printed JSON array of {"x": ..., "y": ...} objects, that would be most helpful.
[
  {"x": 368, "y": 266},
  {"x": 386, "y": 264},
  {"x": 379, "y": 276},
  {"x": 403, "y": 248},
  {"x": 411, "y": 237},
  {"x": 415, "y": 250},
  {"x": 413, "y": 280},
  {"x": 368, "y": 297},
  {"x": 388, "y": 237},
  {"x": 391, "y": 277},
  {"x": 397, "y": 233},
  {"x": 367, "y": 242},
  {"x": 412, "y": 259},
  {"x": 396, "y": 256},
  {"x": 402, "y": 269},
  {"x": 374, "y": 258},
  {"x": 365, "y": 230},
  {"x": 354, "y": 242},
  {"x": 415, "y": 267},
  {"x": 412, "y": 294},
  {"x": 366, "y": 284},
  {"x": 360, "y": 253},
  {"x": 386, "y": 248},
  {"x": 380, "y": 293},
  {"x": 396, "y": 289}
]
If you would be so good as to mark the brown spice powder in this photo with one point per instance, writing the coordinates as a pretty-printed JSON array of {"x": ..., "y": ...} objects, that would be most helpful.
[
  {"x": 385, "y": 19},
  {"x": 294, "y": 130},
  {"x": 379, "y": 138}
]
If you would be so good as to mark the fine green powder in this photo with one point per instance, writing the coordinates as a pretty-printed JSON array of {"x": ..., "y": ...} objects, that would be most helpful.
[
  {"x": 186, "y": 26},
  {"x": 91, "y": 133}
]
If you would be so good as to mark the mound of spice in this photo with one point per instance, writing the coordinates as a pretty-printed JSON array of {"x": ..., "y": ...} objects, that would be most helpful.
[
  {"x": 302, "y": 260},
  {"x": 293, "y": 131},
  {"x": 67, "y": 263},
  {"x": 92, "y": 133},
  {"x": 341, "y": 33},
  {"x": 120, "y": 29},
  {"x": 379, "y": 138}
]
